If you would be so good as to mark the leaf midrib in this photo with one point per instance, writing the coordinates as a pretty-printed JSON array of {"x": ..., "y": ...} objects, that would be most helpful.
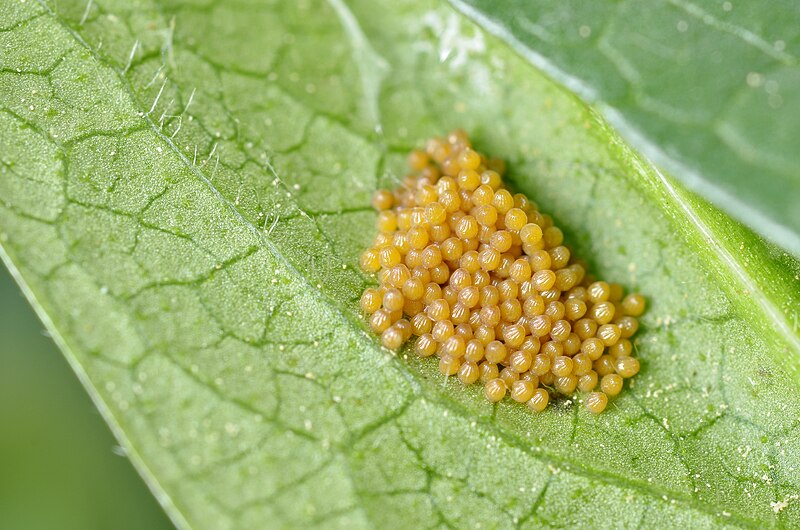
[{"x": 418, "y": 393}]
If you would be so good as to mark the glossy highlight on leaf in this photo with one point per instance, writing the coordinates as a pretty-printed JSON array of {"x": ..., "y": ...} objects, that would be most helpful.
[
  {"x": 184, "y": 192},
  {"x": 709, "y": 90}
]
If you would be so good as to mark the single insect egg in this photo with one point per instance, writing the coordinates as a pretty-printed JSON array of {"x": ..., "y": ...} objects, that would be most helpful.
[
  {"x": 609, "y": 334},
  {"x": 559, "y": 257},
  {"x": 520, "y": 361},
  {"x": 469, "y": 372},
  {"x": 426, "y": 194},
  {"x": 574, "y": 308},
  {"x": 417, "y": 160},
  {"x": 509, "y": 290},
  {"x": 486, "y": 215},
  {"x": 520, "y": 270},
  {"x": 582, "y": 364},
  {"x": 530, "y": 234},
  {"x": 421, "y": 324},
  {"x": 413, "y": 258},
  {"x": 565, "y": 279},
  {"x": 485, "y": 334},
  {"x": 572, "y": 345},
  {"x": 598, "y": 292},
  {"x": 370, "y": 301},
  {"x": 449, "y": 365},
  {"x": 605, "y": 365},
  {"x": 438, "y": 310},
  {"x": 511, "y": 310},
  {"x": 533, "y": 306},
  {"x": 566, "y": 384},
  {"x": 383, "y": 200},
  {"x": 469, "y": 261},
  {"x": 451, "y": 201},
  {"x": 490, "y": 315},
  {"x": 585, "y": 328},
  {"x": 413, "y": 289},
  {"x": 495, "y": 352},
  {"x": 469, "y": 159},
  {"x": 540, "y": 261},
  {"x": 553, "y": 236},
  {"x": 469, "y": 296},
  {"x": 596, "y": 402},
  {"x": 389, "y": 257},
  {"x": 543, "y": 280},
  {"x": 587, "y": 382},
  {"x": 626, "y": 366},
  {"x": 495, "y": 389},
  {"x": 404, "y": 326},
  {"x": 467, "y": 227},
  {"x": 431, "y": 257},
  {"x": 440, "y": 273},
  {"x": 526, "y": 290},
  {"x": 508, "y": 376},
  {"x": 553, "y": 349},
  {"x": 489, "y": 371},
  {"x": 628, "y": 326},
  {"x": 459, "y": 313},
  {"x": 490, "y": 296},
  {"x": 435, "y": 213},
  {"x": 443, "y": 330},
  {"x": 540, "y": 325},
  {"x": 370, "y": 261},
  {"x": 433, "y": 291},
  {"x": 531, "y": 345},
  {"x": 515, "y": 218},
  {"x": 501, "y": 240},
  {"x": 611, "y": 384},
  {"x": 454, "y": 347},
  {"x": 393, "y": 299},
  {"x": 392, "y": 338},
  {"x": 464, "y": 330},
  {"x": 522, "y": 390},
  {"x": 480, "y": 278},
  {"x": 503, "y": 201},
  {"x": 398, "y": 275},
  {"x": 555, "y": 310},
  {"x": 468, "y": 179},
  {"x": 539, "y": 400},
  {"x": 440, "y": 232},
  {"x": 562, "y": 366},
  {"x": 387, "y": 222},
  {"x": 489, "y": 258},
  {"x": 380, "y": 321},
  {"x": 417, "y": 237},
  {"x": 621, "y": 349},
  {"x": 474, "y": 351},
  {"x": 452, "y": 249},
  {"x": 602, "y": 312},
  {"x": 633, "y": 305},
  {"x": 491, "y": 178},
  {"x": 513, "y": 335},
  {"x": 482, "y": 195}
]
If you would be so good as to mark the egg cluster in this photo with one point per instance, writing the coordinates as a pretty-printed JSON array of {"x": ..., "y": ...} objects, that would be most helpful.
[{"x": 484, "y": 282}]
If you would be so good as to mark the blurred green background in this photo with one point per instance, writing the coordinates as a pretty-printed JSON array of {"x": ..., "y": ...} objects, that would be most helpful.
[{"x": 58, "y": 466}]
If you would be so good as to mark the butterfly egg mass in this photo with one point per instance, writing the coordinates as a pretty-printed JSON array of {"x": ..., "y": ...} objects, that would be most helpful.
[{"x": 483, "y": 280}]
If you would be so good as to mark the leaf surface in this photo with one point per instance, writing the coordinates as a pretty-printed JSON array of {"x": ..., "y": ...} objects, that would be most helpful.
[
  {"x": 709, "y": 90},
  {"x": 185, "y": 191}
]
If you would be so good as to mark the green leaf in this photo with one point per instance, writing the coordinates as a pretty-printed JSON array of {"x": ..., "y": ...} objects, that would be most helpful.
[
  {"x": 185, "y": 190},
  {"x": 709, "y": 90}
]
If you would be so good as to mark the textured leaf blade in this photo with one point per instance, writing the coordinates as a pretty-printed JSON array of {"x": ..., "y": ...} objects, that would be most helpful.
[
  {"x": 707, "y": 90},
  {"x": 201, "y": 195}
]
